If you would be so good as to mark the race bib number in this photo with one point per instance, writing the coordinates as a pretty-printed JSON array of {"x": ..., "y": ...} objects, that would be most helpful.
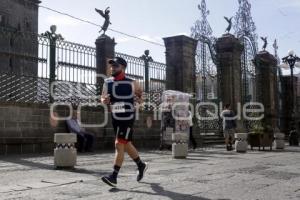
[{"x": 118, "y": 107}]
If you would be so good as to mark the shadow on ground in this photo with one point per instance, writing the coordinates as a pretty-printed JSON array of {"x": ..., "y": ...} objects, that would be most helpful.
[
  {"x": 159, "y": 191},
  {"x": 38, "y": 165}
]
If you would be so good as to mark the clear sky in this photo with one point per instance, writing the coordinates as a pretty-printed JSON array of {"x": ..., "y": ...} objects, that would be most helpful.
[{"x": 155, "y": 19}]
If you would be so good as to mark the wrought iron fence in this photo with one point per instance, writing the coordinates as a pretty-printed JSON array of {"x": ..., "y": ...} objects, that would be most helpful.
[
  {"x": 150, "y": 75},
  {"x": 136, "y": 70},
  {"x": 16, "y": 88},
  {"x": 75, "y": 62},
  {"x": 30, "y": 62}
]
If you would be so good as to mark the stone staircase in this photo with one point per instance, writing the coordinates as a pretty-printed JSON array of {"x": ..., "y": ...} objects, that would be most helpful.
[{"x": 212, "y": 139}]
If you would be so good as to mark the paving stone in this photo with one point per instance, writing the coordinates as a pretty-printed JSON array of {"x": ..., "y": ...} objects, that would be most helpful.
[{"x": 206, "y": 174}]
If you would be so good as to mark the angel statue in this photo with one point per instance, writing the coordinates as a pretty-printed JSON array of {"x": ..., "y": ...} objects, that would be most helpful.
[
  {"x": 106, "y": 16},
  {"x": 265, "y": 39},
  {"x": 229, "y": 24}
]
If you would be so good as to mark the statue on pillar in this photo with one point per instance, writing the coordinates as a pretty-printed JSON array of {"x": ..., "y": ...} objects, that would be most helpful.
[
  {"x": 229, "y": 24},
  {"x": 146, "y": 56},
  {"x": 265, "y": 40},
  {"x": 106, "y": 16}
]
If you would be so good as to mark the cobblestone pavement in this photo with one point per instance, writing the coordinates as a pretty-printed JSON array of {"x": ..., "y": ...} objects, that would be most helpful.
[{"x": 206, "y": 174}]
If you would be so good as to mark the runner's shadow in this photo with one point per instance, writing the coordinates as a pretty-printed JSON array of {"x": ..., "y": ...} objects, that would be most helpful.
[
  {"x": 160, "y": 191},
  {"x": 39, "y": 165},
  {"x": 77, "y": 170},
  {"x": 28, "y": 163}
]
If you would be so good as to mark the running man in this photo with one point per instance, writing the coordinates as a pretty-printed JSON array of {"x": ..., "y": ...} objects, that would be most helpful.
[
  {"x": 120, "y": 93},
  {"x": 229, "y": 126},
  {"x": 192, "y": 139}
]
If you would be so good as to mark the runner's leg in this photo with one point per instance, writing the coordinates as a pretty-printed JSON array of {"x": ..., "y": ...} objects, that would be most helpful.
[
  {"x": 111, "y": 180},
  {"x": 119, "y": 156},
  {"x": 131, "y": 150},
  {"x": 133, "y": 153}
]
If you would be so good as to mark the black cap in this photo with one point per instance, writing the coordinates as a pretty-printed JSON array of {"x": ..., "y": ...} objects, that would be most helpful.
[{"x": 119, "y": 61}]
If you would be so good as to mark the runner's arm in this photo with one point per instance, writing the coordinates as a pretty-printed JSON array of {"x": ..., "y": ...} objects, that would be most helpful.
[
  {"x": 222, "y": 114},
  {"x": 104, "y": 96}
]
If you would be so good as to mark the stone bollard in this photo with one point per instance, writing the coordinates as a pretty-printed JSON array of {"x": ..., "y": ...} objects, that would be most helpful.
[
  {"x": 279, "y": 140},
  {"x": 65, "y": 153},
  {"x": 241, "y": 144},
  {"x": 179, "y": 145}
]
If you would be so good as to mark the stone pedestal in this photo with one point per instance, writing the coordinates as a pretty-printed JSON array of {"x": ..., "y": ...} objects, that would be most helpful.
[
  {"x": 180, "y": 145},
  {"x": 65, "y": 153},
  {"x": 241, "y": 144},
  {"x": 279, "y": 141},
  {"x": 179, "y": 150},
  {"x": 105, "y": 50},
  {"x": 229, "y": 51},
  {"x": 180, "y": 61},
  {"x": 267, "y": 86}
]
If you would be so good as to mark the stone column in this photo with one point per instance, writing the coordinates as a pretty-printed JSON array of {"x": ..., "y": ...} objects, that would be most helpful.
[
  {"x": 229, "y": 51},
  {"x": 105, "y": 50},
  {"x": 180, "y": 60},
  {"x": 267, "y": 86},
  {"x": 286, "y": 102}
]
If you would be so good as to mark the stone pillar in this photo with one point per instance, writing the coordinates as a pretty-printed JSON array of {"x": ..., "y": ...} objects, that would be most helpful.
[
  {"x": 229, "y": 51},
  {"x": 267, "y": 86},
  {"x": 105, "y": 50},
  {"x": 180, "y": 60},
  {"x": 286, "y": 102}
]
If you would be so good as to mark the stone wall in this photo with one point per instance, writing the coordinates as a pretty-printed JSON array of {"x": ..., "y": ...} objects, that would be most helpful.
[
  {"x": 19, "y": 50},
  {"x": 25, "y": 128}
]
